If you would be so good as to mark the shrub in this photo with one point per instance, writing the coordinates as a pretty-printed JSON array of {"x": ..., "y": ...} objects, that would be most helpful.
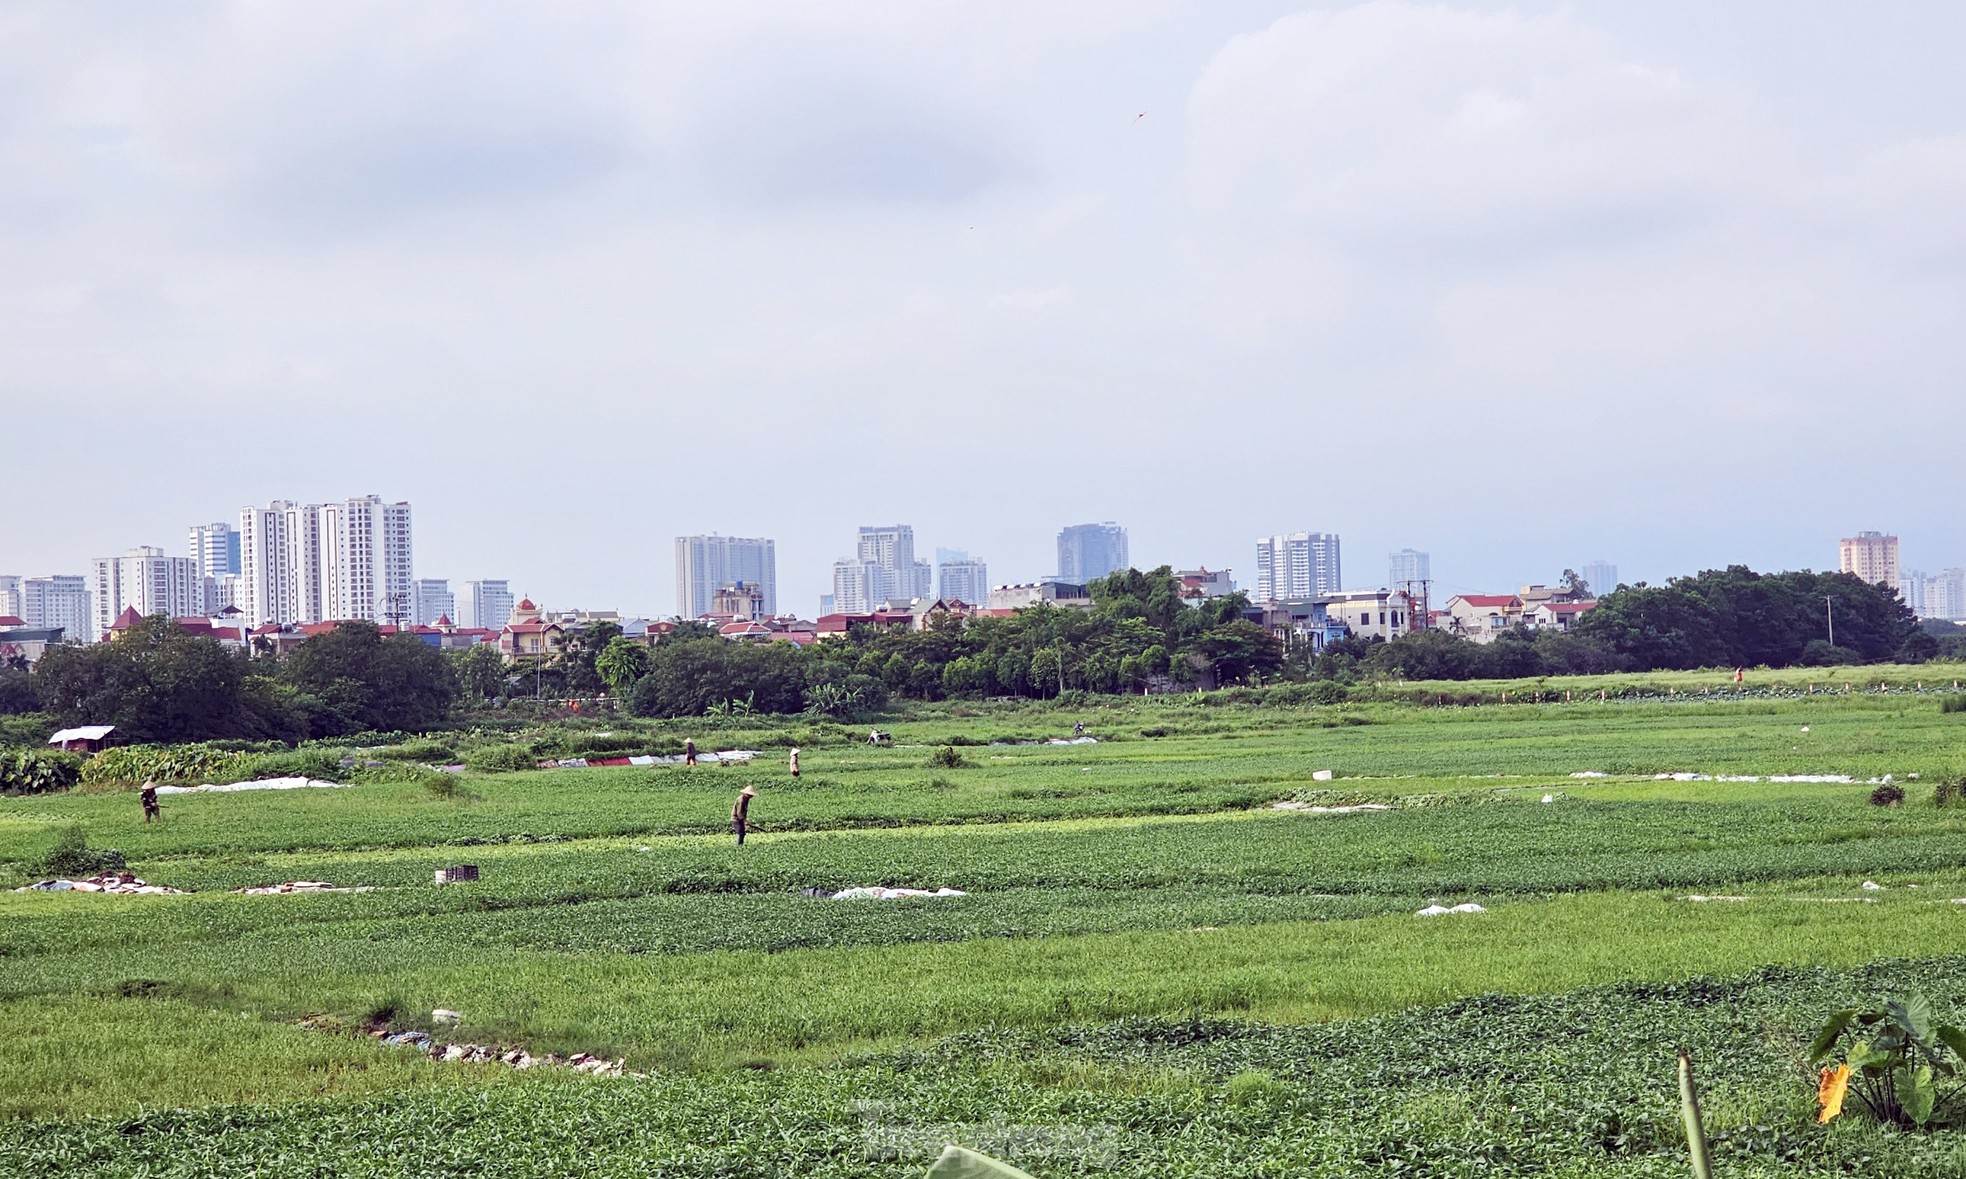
[
  {"x": 72, "y": 856},
  {"x": 1949, "y": 794},
  {"x": 324, "y": 764},
  {"x": 499, "y": 759},
  {"x": 434, "y": 752},
  {"x": 448, "y": 787},
  {"x": 1889, "y": 794},
  {"x": 1953, "y": 704},
  {"x": 38, "y": 772},
  {"x": 947, "y": 758},
  {"x": 1328, "y": 692},
  {"x": 1156, "y": 731}
]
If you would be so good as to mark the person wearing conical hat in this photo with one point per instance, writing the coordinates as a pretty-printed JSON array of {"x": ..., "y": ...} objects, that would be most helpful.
[{"x": 740, "y": 812}]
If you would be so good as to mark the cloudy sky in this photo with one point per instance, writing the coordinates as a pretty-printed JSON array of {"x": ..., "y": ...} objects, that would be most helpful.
[{"x": 1669, "y": 282}]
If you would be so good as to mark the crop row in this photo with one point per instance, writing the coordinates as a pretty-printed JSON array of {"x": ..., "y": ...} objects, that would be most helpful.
[{"x": 1572, "y": 1084}]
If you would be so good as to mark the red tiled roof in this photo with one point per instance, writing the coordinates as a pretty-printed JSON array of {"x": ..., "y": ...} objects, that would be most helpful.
[
  {"x": 12, "y": 620},
  {"x": 525, "y": 604},
  {"x": 443, "y": 620},
  {"x": 1567, "y": 607},
  {"x": 127, "y": 619},
  {"x": 1490, "y": 601}
]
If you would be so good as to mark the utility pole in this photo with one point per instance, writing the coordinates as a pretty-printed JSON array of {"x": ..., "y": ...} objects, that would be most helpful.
[{"x": 1829, "y": 610}]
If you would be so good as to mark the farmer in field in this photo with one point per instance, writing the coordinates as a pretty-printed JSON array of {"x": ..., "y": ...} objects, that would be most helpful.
[
  {"x": 795, "y": 763},
  {"x": 740, "y": 812},
  {"x": 689, "y": 751},
  {"x": 148, "y": 796}
]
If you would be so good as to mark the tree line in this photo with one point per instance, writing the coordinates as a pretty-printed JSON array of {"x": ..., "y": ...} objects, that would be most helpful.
[{"x": 157, "y": 683}]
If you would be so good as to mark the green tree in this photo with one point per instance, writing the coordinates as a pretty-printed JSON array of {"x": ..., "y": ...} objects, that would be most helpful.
[
  {"x": 366, "y": 681},
  {"x": 621, "y": 663},
  {"x": 480, "y": 670},
  {"x": 154, "y": 682}
]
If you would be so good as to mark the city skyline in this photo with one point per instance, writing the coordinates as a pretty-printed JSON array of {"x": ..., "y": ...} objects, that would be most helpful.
[
  {"x": 1580, "y": 207},
  {"x": 207, "y": 542}
]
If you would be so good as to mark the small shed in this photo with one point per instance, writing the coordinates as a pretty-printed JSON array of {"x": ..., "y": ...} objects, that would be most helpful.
[{"x": 83, "y": 738}]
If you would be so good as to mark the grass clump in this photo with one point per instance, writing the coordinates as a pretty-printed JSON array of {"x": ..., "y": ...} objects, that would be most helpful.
[
  {"x": 1953, "y": 704},
  {"x": 502, "y": 759},
  {"x": 72, "y": 856},
  {"x": 1889, "y": 794},
  {"x": 948, "y": 758}
]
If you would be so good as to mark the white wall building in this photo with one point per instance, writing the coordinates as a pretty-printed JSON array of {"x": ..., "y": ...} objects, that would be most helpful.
[
  {"x": 857, "y": 586},
  {"x": 884, "y": 568},
  {"x": 316, "y": 562},
  {"x": 706, "y": 564},
  {"x": 434, "y": 600},
  {"x": 1944, "y": 596},
  {"x": 147, "y": 581},
  {"x": 366, "y": 568},
  {"x": 1297, "y": 565},
  {"x": 484, "y": 605},
  {"x": 10, "y": 605},
  {"x": 959, "y": 578},
  {"x": 62, "y": 600}
]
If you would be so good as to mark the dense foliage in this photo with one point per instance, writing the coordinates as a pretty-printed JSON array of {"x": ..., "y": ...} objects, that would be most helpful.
[
  {"x": 38, "y": 772},
  {"x": 156, "y": 683},
  {"x": 1138, "y": 632},
  {"x": 1738, "y": 618}
]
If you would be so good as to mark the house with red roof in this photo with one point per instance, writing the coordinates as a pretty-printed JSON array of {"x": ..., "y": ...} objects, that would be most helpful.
[{"x": 1481, "y": 617}]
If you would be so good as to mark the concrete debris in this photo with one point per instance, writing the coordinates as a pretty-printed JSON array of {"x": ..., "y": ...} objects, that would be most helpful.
[
  {"x": 1870, "y": 886},
  {"x": 893, "y": 894},
  {"x": 1590, "y": 774},
  {"x": 517, "y": 1058},
  {"x": 1702, "y": 899},
  {"x": 1442, "y": 911},
  {"x": 260, "y": 784},
  {"x": 293, "y": 886},
  {"x": 1291, "y": 804},
  {"x": 1322, "y": 775},
  {"x": 121, "y": 883},
  {"x": 445, "y": 1015}
]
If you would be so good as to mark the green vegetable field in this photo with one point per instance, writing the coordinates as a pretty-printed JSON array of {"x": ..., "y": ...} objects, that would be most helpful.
[{"x": 1156, "y": 970}]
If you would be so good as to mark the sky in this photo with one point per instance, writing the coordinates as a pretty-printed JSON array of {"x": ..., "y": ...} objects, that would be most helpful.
[{"x": 1665, "y": 282}]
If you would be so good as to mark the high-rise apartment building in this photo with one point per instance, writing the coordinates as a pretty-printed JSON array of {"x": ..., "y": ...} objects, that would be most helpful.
[
  {"x": 147, "y": 581},
  {"x": 366, "y": 568},
  {"x": 884, "y": 568},
  {"x": 485, "y": 605},
  {"x": 706, "y": 564},
  {"x": 1297, "y": 565},
  {"x": 1872, "y": 556},
  {"x": 858, "y": 586},
  {"x": 215, "y": 549},
  {"x": 1945, "y": 595},
  {"x": 1408, "y": 567},
  {"x": 59, "y": 600},
  {"x": 10, "y": 606},
  {"x": 1912, "y": 588},
  {"x": 318, "y": 562},
  {"x": 1086, "y": 551},
  {"x": 1601, "y": 576},
  {"x": 280, "y": 563},
  {"x": 961, "y": 579},
  {"x": 434, "y": 600}
]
